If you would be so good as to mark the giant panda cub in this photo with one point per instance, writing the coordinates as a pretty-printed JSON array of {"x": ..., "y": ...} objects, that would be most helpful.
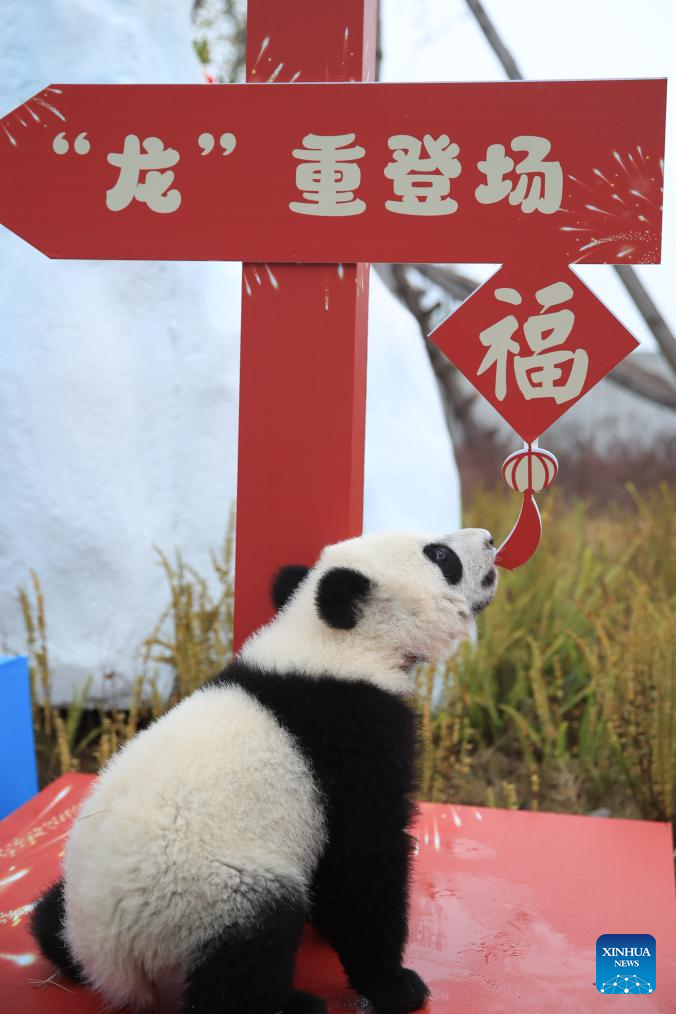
[{"x": 278, "y": 793}]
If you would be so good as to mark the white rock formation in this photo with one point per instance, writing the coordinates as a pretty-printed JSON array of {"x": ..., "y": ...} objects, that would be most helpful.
[{"x": 118, "y": 384}]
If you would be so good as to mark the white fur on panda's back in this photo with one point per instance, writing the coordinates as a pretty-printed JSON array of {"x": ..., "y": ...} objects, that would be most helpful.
[{"x": 188, "y": 830}]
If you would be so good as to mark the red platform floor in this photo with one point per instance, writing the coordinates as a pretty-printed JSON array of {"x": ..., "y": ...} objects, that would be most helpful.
[{"x": 505, "y": 913}]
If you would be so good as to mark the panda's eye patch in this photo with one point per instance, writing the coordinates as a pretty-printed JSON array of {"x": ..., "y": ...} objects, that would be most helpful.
[{"x": 446, "y": 559}]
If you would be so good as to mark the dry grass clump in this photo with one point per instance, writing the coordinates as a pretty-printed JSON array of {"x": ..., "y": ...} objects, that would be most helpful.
[
  {"x": 193, "y": 637},
  {"x": 568, "y": 702},
  {"x": 191, "y": 641}
]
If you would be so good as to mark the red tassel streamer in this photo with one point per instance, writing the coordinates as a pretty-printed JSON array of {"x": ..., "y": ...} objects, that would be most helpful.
[{"x": 524, "y": 537}]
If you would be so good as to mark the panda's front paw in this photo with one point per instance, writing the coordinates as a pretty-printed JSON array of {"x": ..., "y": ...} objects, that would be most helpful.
[{"x": 400, "y": 994}]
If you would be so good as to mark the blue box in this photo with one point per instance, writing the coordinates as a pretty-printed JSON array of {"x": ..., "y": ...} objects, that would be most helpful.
[
  {"x": 18, "y": 770},
  {"x": 625, "y": 963}
]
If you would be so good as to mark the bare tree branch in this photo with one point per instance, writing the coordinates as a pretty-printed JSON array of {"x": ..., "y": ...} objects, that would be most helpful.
[
  {"x": 447, "y": 278},
  {"x": 644, "y": 383},
  {"x": 497, "y": 45},
  {"x": 379, "y": 39},
  {"x": 457, "y": 403},
  {"x": 649, "y": 312},
  {"x": 628, "y": 276}
]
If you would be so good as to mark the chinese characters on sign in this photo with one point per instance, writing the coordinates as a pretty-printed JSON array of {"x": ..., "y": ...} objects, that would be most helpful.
[
  {"x": 540, "y": 375},
  {"x": 347, "y": 172},
  {"x": 343, "y": 173},
  {"x": 533, "y": 340},
  {"x": 540, "y": 185},
  {"x": 328, "y": 174},
  {"x": 423, "y": 184},
  {"x": 153, "y": 189}
]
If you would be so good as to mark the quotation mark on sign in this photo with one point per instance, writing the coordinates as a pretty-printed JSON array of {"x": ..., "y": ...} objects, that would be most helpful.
[
  {"x": 81, "y": 145},
  {"x": 226, "y": 141}
]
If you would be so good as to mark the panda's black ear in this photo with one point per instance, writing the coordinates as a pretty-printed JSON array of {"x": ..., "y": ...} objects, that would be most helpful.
[
  {"x": 285, "y": 582},
  {"x": 340, "y": 596}
]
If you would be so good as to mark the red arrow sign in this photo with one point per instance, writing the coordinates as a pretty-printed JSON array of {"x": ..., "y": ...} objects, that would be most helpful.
[
  {"x": 339, "y": 172},
  {"x": 533, "y": 340}
]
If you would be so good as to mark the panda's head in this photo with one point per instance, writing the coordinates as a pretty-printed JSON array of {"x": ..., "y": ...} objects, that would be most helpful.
[{"x": 373, "y": 606}]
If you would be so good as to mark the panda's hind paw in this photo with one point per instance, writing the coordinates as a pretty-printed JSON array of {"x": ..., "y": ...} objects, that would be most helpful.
[
  {"x": 405, "y": 993},
  {"x": 303, "y": 1003}
]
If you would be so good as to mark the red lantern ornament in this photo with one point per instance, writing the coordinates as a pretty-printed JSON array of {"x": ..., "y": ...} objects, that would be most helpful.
[
  {"x": 532, "y": 468},
  {"x": 527, "y": 471}
]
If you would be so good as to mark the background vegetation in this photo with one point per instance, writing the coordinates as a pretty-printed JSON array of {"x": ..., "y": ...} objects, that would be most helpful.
[{"x": 566, "y": 703}]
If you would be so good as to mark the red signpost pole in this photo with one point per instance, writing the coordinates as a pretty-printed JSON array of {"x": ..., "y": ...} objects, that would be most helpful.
[{"x": 303, "y": 347}]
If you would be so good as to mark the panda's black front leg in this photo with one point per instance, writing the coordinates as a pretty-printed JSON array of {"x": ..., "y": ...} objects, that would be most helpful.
[{"x": 361, "y": 906}]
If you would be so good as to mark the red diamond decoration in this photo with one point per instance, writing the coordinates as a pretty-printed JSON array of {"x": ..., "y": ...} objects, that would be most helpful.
[{"x": 533, "y": 340}]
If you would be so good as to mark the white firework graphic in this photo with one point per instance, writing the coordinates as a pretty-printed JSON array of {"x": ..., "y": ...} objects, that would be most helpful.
[
  {"x": 627, "y": 984},
  {"x": 268, "y": 70},
  {"x": 253, "y": 274},
  {"x": 27, "y": 115},
  {"x": 622, "y": 205}
]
